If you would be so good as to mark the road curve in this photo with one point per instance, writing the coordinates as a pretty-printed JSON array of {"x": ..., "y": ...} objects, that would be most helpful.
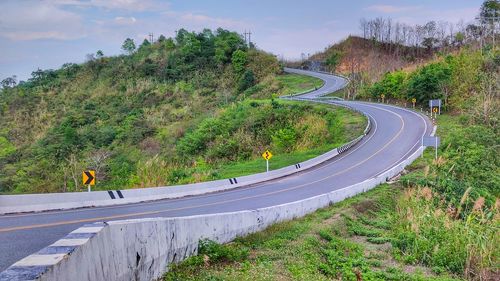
[
  {"x": 331, "y": 83},
  {"x": 396, "y": 133}
]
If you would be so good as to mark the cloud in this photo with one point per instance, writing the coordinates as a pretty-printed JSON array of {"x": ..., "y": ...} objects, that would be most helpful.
[
  {"x": 125, "y": 20},
  {"x": 191, "y": 20},
  {"x": 32, "y": 20},
  {"x": 129, "y": 5},
  {"x": 203, "y": 20},
  {"x": 391, "y": 9}
]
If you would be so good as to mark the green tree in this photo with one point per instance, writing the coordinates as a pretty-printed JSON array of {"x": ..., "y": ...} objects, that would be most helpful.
[
  {"x": 333, "y": 60},
  {"x": 490, "y": 12},
  {"x": 285, "y": 139},
  {"x": 428, "y": 82},
  {"x": 162, "y": 38},
  {"x": 8, "y": 82},
  {"x": 459, "y": 38},
  {"x": 6, "y": 147},
  {"x": 226, "y": 43},
  {"x": 393, "y": 85},
  {"x": 239, "y": 61},
  {"x": 99, "y": 54},
  {"x": 145, "y": 43},
  {"x": 128, "y": 46},
  {"x": 247, "y": 80}
]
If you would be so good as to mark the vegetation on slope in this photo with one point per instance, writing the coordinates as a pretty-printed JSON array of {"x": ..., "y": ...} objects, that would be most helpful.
[
  {"x": 175, "y": 111},
  {"x": 466, "y": 82},
  {"x": 299, "y": 83},
  {"x": 230, "y": 142},
  {"x": 440, "y": 221}
]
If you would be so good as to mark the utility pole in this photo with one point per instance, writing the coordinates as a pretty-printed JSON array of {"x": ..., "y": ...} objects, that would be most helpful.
[
  {"x": 249, "y": 33},
  {"x": 151, "y": 37}
]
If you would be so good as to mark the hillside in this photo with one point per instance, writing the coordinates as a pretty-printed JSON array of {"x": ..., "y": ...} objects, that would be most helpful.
[
  {"x": 373, "y": 58},
  {"x": 175, "y": 111},
  {"x": 438, "y": 221}
]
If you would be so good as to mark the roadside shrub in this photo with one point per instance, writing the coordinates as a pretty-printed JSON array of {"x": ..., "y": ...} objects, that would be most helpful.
[
  {"x": 426, "y": 233},
  {"x": 284, "y": 139},
  {"x": 222, "y": 252}
]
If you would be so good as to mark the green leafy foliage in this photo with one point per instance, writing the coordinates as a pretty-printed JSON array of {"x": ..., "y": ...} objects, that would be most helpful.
[
  {"x": 333, "y": 60},
  {"x": 239, "y": 60},
  {"x": 428, "y": 82},
  {"x": 138, "y": 104},
  {"x": 392, "y": 85}
]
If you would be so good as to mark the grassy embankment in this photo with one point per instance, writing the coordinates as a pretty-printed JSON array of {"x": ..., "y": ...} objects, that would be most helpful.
[
  {"x": 440, "y": 221},
  {"x": 187, "y": 109},
  {"x": 394, "y": 232},
  {"x": 296, "y": 83}
]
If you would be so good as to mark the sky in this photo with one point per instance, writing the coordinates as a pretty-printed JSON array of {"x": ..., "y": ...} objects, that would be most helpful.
[{"x": 48, "y": 33}]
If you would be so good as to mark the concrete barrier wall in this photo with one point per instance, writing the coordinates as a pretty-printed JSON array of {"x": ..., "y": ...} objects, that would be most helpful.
[
  {"x": 71, "y": 200},
  {"x": 142, "y": 249}
]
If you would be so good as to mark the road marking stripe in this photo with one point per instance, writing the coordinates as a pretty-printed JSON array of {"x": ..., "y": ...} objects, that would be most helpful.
[
  {"x": 88, "y": 229},
  {"x": 209, "y": 204},
  {"x": 70, "y": 242},
  {"x": 207, "y": 195},
  {"x": 119, "y": 193},
  {"x": 37, "y": 260},
  {"x": 226, "y": 201}
]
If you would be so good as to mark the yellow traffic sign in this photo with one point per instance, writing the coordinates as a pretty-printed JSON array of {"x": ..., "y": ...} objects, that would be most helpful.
[
  {"x": 382, "y": 96},
  {"x": 413, "y": 100},
  {"x": 434, "y": 109},
  {"x": 267, "y": 155},
  {"x": 88, "y": 177}
]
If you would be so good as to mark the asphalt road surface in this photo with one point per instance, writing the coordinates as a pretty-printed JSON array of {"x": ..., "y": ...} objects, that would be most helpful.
[{"x": 395, "y": 134}]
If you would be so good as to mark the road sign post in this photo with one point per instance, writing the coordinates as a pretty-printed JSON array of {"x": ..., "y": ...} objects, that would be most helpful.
[
  {"x": 433, "y": 142},
  {"x": 435, "y": 103},
  {"x": 88, "y": 178},
  {"x": 267, "y": 155},
  {"x": 382, "y": 96},
  {"x": 435, "y": 110},
  {"x": 413, "y": 100}
]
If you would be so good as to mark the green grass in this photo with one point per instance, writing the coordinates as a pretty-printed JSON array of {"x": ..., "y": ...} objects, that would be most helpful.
[
  {"x": 393, "y": 232},
  {"x": 352, "y": 122},
  {"x": 277, "y": 161},
  {"x": 319, "y": 246},
  {"x": 295, "y": 83}
]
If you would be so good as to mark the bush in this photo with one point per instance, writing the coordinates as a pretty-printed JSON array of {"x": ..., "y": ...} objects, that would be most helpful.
[
  {"x": 222, "y": 253},
  {"x": 246, "y": 81},
  {"x": 428, "y": 82},
  {"x": 284, "y": 139},
  {"x": 392, "y": 85}
]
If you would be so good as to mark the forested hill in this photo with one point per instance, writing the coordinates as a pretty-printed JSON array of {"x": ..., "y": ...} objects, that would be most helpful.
[
  {"x": 115, "y": 111},
  {"x": 179, "y": 110}
]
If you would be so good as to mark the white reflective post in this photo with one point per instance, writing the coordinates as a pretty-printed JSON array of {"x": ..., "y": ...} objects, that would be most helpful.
[{"x": 436, "y": 148}]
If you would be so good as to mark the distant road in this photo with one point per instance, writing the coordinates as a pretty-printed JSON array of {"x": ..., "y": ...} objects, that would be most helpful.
[
  {"x": 396, "y": 133},
  {"x": 332, "y": 83}
]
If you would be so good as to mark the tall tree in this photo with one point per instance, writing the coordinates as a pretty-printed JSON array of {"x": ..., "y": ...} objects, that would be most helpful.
[{"x": 128, "y": 46}]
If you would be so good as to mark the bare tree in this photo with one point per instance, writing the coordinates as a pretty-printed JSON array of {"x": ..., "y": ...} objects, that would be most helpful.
[
  {"x": 74, "y": 170},
  {"x": 97, "y": 161}
]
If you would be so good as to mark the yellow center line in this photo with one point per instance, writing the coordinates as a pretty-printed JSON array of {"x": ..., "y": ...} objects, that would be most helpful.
[{"x": 209, "y": 204}]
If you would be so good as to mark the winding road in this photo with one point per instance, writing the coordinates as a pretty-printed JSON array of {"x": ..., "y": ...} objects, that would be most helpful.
[{"x": 395, "y": 134}]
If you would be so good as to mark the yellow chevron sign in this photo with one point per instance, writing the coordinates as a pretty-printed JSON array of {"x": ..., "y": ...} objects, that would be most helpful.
[{"x": 88, "y": 177}]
